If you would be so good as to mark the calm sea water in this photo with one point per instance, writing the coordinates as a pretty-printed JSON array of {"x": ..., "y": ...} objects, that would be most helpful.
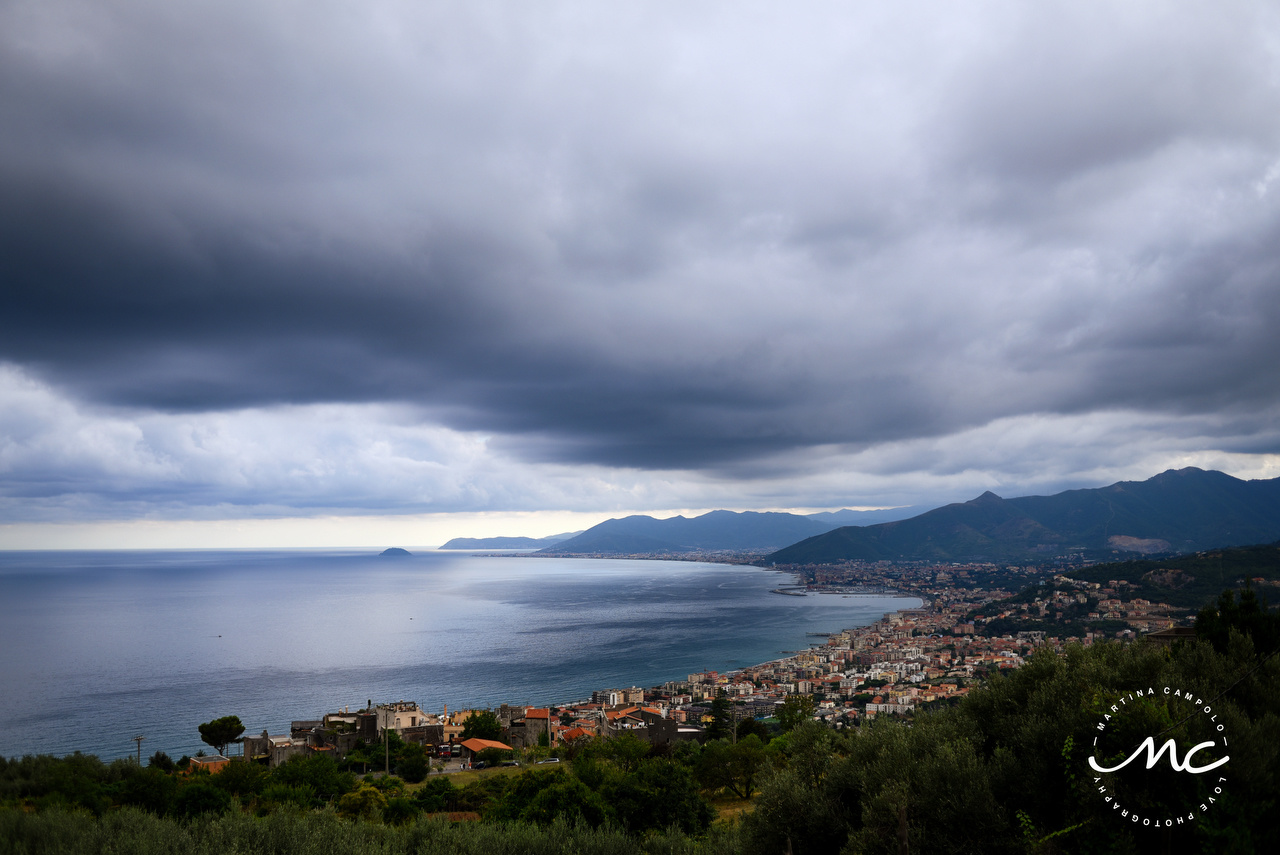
[{"x": 99, "y": 647}]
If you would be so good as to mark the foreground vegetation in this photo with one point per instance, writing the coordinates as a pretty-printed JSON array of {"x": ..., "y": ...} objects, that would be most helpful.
[
  {"x": 130, "y": 830},
  {"x": 1004, "y": 771}
]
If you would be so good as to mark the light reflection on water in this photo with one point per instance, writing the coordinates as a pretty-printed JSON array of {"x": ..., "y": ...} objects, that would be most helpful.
[{"x": 98, "y": 647}]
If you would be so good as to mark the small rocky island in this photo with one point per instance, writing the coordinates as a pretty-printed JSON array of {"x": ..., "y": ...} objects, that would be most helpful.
[{"x": 395, "y": 552}]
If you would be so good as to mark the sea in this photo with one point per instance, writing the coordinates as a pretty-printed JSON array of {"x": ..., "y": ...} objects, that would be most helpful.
[{"x": 98, "y": 648}]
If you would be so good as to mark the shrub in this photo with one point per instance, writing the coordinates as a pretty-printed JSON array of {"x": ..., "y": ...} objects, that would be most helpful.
[{"x": 199, "y": 798}]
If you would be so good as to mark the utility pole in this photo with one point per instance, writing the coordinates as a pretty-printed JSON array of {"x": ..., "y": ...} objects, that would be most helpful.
[{"x": 138, "y": 739}]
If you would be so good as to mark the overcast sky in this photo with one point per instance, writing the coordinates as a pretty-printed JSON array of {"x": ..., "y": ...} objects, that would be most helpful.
[{"x": 388, "y": 261}]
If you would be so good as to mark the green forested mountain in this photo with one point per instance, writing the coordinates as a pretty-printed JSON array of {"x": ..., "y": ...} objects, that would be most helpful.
[{"x": 1177, "y": 511}]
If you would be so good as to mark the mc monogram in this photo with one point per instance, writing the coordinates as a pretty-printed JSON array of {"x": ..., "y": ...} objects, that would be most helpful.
[{"x": 1153, "y": 756}]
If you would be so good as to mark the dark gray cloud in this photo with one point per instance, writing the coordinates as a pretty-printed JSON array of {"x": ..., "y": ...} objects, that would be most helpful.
[{"x": 722, "y": 240}]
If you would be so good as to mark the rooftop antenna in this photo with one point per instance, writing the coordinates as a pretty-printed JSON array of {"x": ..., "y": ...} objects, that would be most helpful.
[{"x": 138, "y": 739}]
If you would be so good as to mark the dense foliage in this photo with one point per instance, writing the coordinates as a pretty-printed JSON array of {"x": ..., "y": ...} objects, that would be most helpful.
[
  {"x": 61, "y": 832},
  {"x": 1005, "y": 771},
  {"x": 620, "y": 784}
]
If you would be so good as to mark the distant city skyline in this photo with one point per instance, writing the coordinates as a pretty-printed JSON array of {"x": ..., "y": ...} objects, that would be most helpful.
[{"x": 307, "y": 276}]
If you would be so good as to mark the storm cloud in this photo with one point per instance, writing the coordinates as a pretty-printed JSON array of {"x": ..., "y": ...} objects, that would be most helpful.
[{"x": 708, "y": 254}]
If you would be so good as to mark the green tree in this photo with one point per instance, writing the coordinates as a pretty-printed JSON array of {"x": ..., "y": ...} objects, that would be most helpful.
[
  {"x": 481, "y": 724},
  {"x": 364, "y": 803},
  {"x": 242, "y": 779},
  {"x": 794, "y": 710},
  {"x": 399, "y": 811},
  {"x": 747, "y": 759},
  {"x": 412, "y": 764},
  {"x": 221, "y": 732},
  {"x": 568, "y": 801},
  {"x": 1248, "y": 617},
  {"x": 150, "y": 789},
  {"x": 162, "y": 761},
  {"x": 435, "y": 795},
  {"x": 388, "y": 785},
  {"x": 200, "y": 798},
  {"x": 480, "y": 795},
  {"x": 721, "y": 726},
  {"x": 524, "y": 788},
  {"x": 545, "y": 796},
  {"x": 711, "y": 767},
  {"x": 626, "y": 750},
  {"x": 749, "y": 726},
  {"x": 660, "y": 794},
  {"x": 320, "y": 772}
]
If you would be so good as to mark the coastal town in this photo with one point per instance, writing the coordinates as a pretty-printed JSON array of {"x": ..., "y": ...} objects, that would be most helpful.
[{"x": 972, "y": 623}]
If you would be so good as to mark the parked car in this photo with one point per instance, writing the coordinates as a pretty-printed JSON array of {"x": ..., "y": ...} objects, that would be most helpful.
[{"x": 549, "y": 760}]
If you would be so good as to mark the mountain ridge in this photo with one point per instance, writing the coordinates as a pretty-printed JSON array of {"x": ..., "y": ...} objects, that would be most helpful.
[
  {"x": 1189, "y": 509},
  {"x": 507, "y": 542},
  {"x": 714, "y": 531}
]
